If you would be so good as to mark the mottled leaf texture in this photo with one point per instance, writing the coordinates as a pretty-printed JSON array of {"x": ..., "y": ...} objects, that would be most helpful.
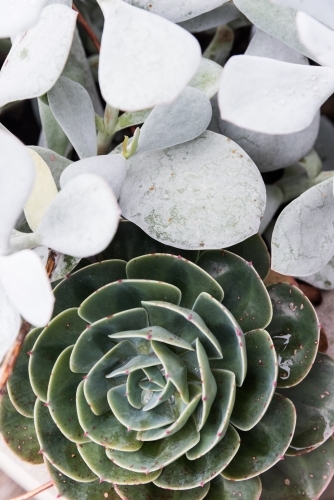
[
  {"x": 26, "y": 283},
  {"x": 17, "y": 176},
  {"x": 38, "y": 56},
  {"x": 73, "y": 109},
  {"x": 317, "y": 38},
  {"x": 165, "y": 195},
  {"x": 303, "y": 238},
  {"x": 82, "y": 219},
  {"x": 10, "y": 320},
  {"x": 180, "y": 121},
  {"x": 110, "y": 167},
  {"x": 18, "y": 16},
  {"x": 323, "y": 10},
  {"x": 156, "y": 61},
  {"x": 177, "y": 11},
  {"x": 276, "y": 98}
]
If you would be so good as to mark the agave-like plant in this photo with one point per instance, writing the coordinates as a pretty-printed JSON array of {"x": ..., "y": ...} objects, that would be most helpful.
[{"x": 157, "y": 375}]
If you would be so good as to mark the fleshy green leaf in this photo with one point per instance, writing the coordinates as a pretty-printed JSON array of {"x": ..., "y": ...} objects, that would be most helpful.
[
  {"x": 38, "y": 56},
  {"x": 164, "y": 193},
  {"x": 152, "y": 491},
  {"x": 157, "y": 71},
  {"x": 223, "y": 489},
  {"x": 53, "y": 135},
  {"x": 294, "y": 330},
  {"x": 254, "y": 250}
]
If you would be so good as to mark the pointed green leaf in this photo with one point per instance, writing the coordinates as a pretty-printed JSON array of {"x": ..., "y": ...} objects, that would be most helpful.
[
  {"x": 76, "y": 287},
  {"x": 266, "y": 443},
  {"x": 313, "y": 399},
  {"x": 218, "y": 420},
  {"x": 136, "y": 363},
  {"x": 159, "y": 397},
  {"x": 155, "y": 455},
  {"x": 249, "y": 303},
  {"x": 151, "y": 491},
  {"x": 295, "y": 331},
  {"x": 97, "y": 460},
  {"x": 224, "y": 327},
  {"x": 133, "y": 388},
  {"x": 185, "y": 323},
  {"x": 179, "y": 272},
  {"x": 60, "y": 333},
  {"x": 105, "y": 429},
  {"x": 19, "y": 432},
  {"x": 154, "y": 375},
  {"x": 62, "y": 398},
  {"x": 126, "y": 294},
  {"x": 223, "y": 489},
  {"x": 301, "y": 478},
  {"x": 61, "y": 452},
  {"x": 96, "y": 337},
  {"x": 154, "y": 333},
  {"x": 135, "y": 419},
  {"x": 184, "y": 474},
  {"x": 209, "y": 386},
  {"x": 19, "y": 388},
  {"x": 97, "y": 385},
  {"x": 254, "y": 396},
  {"x": 254, "y": 250}
]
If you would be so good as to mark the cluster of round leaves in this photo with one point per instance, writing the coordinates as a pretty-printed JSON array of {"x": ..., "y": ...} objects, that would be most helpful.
[{"x": 159, "y": 375}]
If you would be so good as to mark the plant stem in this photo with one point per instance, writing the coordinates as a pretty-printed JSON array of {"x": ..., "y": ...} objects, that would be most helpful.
[
  {"x": 12, "y": 355},
  {"x": 88, "y": 29},
  {"x": 31, "y": 494}
]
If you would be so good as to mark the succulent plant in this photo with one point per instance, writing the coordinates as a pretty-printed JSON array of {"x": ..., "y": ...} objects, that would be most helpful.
[{"x": 162, "y": 374}]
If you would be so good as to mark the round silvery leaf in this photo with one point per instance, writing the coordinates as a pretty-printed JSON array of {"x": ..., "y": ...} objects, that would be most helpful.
[
  {"x": 82, "y": 219},
  {"x": 10, "y": 321},
  {"x": 206, "y": 193},
  {"x": 17, "y": 175},
  {"x": 18, "y": 16},
  {"x": 276, "y": 98},
  {"x": 157, "y": 59},
  {"x": 38, "y": 57},
  {"x": 26, "y": 283},
  {"x": 110, "y": 167},
  {"x": 177, "y": 11},
  {"x": 180, "y": 121},
  {"x": 317, "y": 38},
  {"x": 303, "y": 238},
  {"x": 73, "y": 109},
  {"x": 43, "y": 192},
  {"x": 216, "y": 17},
  {"x": 324, "y": 278},
  {"x": 322, "y": 9}
]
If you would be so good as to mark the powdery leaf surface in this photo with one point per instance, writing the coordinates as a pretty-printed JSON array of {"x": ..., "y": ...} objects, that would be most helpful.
[
  {"x": 110, "y": 167},
  {"x": 303, "y": 237},
  {"x": 323, "y": 10},
  {"x": 216, "y": 17},
  {"x": 206, "y": 193},
  {"x": 27, "y": 285},
  {"x": 17, "y": 176},
  {"x": 54, "y": 161},
  {"x": 207, "y": 77},
  {"x": 177, "y": 11},
  {"x": 180, "y": 121},
  {"x": 43, "y": 192},
  {"x": 156, "y": 61},
  {"x": 83, "y": 218},
  {"x": 275, "y": 198},
  {"x": 323, "y": 279},
  {"x": 317, "y": 38},
  {"x": 73, "y": 109},
  {"x": 17, "y": 16},
  {"x": 10, "y": 321},
  {"x": 38, "y": 57},
  {"x": 276, "y": 98}
]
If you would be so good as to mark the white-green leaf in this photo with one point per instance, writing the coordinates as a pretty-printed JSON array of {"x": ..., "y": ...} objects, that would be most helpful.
[
  {"x": 181, "y": 121},
  {"x": 317, "y": 37},
  {"x": 216, "y": 17},
  {"x": 52, "y": 135},
  {"x": 26, "y": 283},
  {"x": 265, "y": 45},
  {"x": 17, "y": 16},
  {"x": 323, "y": 279},
  {"x": 275, "y": 198},
  {"x": 276, "y": 97},
  {"x": 177, "y": 11},
  {"x": 55, "y": 162},
  {"x": 73, "y": 109},
  {"x": 207, "y": 77},
  {"x": 145, "y": 59},
  {"x": 83, "y": 218},
  {"x": 17, "y": 175},
  {"x": 110, "y": 167},
  {"x": 303, "y": 238},
  {"x": 38, "y": 57},
  {"x": 206, "y": 193},
  {"x": 323, "y": 10},
  {"x": 10, "y": 321}
]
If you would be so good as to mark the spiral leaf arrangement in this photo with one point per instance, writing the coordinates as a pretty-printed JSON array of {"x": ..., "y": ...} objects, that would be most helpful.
[{"x": 160, "y": 375}]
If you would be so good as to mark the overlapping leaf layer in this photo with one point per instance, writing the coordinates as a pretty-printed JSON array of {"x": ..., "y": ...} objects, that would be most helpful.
[{"x": 159, "y": 375}]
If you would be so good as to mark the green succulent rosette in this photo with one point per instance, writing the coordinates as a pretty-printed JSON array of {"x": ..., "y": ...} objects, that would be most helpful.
[{"x": 164, "y": 375}]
